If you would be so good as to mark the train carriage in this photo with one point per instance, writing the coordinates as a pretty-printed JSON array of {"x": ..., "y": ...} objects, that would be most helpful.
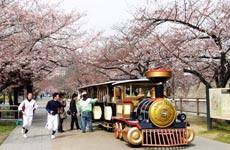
[
  {"x": 138, "y": 112},
  {"x": 104, "y": 93}
]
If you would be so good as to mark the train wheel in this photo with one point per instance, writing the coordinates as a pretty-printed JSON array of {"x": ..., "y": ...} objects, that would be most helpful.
[
  {"x": 116, "y": 130},
  {"x": 190, "y": 134},
  {"x": 120, "y": 131},
  {"x": 134, "y": 136}
]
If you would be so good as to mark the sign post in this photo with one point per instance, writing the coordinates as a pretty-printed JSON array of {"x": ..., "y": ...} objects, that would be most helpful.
[{"x": 209, "y": 119}]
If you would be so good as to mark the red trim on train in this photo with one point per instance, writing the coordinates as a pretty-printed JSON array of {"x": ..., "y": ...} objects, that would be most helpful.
[
  {"x": 126, "y": 101},
  {"x": 134, "y": 123},
  {"x": 156, "y": 99}
]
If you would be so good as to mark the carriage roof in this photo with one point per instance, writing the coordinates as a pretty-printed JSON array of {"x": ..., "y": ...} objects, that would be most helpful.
[
  {"x": 113, "y": 83},
  {"x": 132, "y": 81},
  {"x": 98, "y": 84}
]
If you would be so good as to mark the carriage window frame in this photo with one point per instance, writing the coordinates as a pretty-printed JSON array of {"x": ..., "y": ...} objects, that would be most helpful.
[{"x": 137, "y": 89}]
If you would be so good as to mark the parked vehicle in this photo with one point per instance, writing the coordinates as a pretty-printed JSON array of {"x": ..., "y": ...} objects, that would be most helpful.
[{"x": 138, "y": 111}]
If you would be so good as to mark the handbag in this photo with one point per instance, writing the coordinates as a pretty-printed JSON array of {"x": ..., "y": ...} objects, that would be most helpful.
[
  {"x": 69, "y": 112},
  {"x": 63, "y": 115}
]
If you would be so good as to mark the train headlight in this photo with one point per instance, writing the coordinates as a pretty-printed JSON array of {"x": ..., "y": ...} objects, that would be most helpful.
[
  {"x": 182, "y": 117},
  {"x": 140, "y": 118}
]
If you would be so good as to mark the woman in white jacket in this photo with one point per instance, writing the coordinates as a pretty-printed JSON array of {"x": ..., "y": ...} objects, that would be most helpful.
[{"x": 27, "y": 108}]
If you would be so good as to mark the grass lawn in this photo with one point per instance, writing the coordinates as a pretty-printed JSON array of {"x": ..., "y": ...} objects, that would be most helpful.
[
  {"x": 219, "y": 132},
  {"x": 6, "y": 128}
]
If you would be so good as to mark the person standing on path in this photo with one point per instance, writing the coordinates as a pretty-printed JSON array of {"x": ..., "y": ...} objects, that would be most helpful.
[
  {"x": 52, "y": 108},
  {"x": 27, "y": 108},
  {"x": 85, "y": 105},
  {"x": 73, "y": 110},
  {"x": 61, "y": 113}
]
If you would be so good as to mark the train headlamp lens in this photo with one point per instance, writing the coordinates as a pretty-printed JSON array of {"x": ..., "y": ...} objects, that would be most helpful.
[
  {"x": 140, "y": 118},
  {"x": 182, "y": 117}
]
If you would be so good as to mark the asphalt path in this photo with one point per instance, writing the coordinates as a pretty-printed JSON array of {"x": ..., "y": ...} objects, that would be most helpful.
[
  {"x": 39, "y": 138},
  {"x": 103, "y": 140}
]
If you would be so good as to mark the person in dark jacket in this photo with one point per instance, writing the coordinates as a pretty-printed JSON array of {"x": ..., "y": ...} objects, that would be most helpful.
[
  {"x": 52, "y": 108},
  {"x": 62, "y": 113},
  {"x": 73, "y": 110}
]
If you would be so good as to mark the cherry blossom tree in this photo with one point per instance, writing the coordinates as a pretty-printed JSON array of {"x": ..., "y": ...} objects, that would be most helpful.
[
  {"x": 194, "y": 34},
  {"x": 188, "y": 36},
  {"x": 128, "y": 55},
  {"x": 35, "y": 39}
]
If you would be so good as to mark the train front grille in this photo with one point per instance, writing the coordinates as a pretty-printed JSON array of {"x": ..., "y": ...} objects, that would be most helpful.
[{"x": 164, "y": 137}]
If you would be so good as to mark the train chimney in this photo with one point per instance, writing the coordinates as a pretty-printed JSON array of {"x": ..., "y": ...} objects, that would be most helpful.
[{"x": 159, "y": 77}]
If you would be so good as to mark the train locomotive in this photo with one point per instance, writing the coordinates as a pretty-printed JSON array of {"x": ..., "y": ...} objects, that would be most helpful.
[
  {"x": 143, "y": 120},
  {"x": 155, "y": 121}
]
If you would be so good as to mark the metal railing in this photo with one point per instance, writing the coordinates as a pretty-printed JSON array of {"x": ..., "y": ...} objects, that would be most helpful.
[
  {"x": 9, "y": 112},
  {"x": 191, "y": 105}
]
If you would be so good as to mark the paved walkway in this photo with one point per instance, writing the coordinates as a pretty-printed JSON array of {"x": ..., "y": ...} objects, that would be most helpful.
[{"x": 38, "y": 136}]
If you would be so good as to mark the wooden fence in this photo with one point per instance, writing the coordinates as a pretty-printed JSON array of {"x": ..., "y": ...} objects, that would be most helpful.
[{"x": 191, "y": 105}]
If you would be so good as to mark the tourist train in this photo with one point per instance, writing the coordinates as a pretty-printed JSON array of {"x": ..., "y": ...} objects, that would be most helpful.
[{"x": 139, "y": 112}]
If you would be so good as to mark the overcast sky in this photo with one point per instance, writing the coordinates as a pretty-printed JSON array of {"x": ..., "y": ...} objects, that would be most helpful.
[{"x": 102, "y": 14}]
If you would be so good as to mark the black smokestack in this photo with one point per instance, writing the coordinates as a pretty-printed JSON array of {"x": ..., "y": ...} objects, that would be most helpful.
[{"x": 159, "y": 90}]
